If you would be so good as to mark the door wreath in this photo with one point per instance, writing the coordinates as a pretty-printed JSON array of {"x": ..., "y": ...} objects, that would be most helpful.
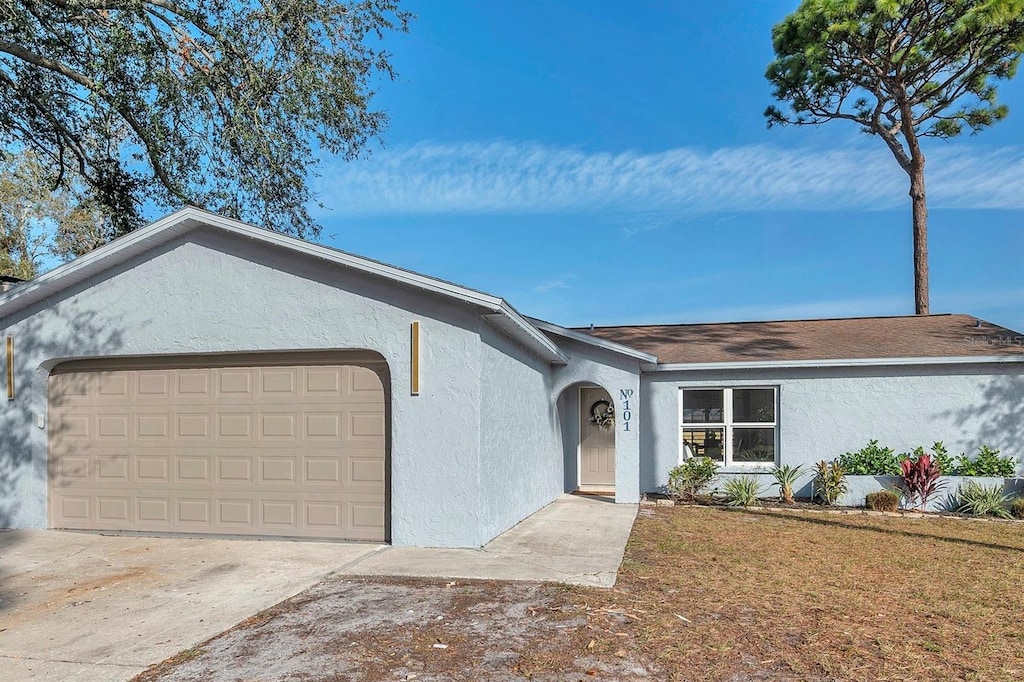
[{"x": 602, "y": 414}]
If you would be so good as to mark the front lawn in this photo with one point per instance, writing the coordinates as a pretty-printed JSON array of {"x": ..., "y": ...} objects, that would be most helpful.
[
  {"x": 734, "y": 595},
  {"x": 703, "y": 594}
]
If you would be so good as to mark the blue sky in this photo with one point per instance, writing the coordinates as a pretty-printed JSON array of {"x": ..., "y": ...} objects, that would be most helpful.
[{"x": 608, "y": 162}]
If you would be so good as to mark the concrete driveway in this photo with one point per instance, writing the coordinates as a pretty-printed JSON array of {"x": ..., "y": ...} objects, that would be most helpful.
[
  {"x": 83, "y": 606},
  {"x": 78, "y": 606}
]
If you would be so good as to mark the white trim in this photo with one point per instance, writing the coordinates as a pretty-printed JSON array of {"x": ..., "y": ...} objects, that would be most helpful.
[
  {"x": 190, "y": 218},
  {"x": 851, "y": 362},
  {"x": 727, "y": 424},
  {"x": 593, "y": 341},
  {"x": 532, "y": 331}
]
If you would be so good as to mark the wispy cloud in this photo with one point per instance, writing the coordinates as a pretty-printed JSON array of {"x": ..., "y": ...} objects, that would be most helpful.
[
  {"x": 519, "y": 178},
  {"x": 547, "y": 287}
]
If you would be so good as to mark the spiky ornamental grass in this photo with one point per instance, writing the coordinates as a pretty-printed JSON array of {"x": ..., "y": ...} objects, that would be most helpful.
[{"x": 982, "y": 500}]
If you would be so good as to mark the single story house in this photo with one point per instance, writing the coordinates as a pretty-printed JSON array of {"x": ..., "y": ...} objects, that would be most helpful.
[{"x": 201, "y": 375}]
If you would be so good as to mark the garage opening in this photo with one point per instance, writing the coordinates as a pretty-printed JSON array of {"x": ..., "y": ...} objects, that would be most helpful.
[{"x": 268, "y": 444}]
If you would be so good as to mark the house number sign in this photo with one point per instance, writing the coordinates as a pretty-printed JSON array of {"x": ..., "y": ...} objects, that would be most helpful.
[{"x": 625, "y": 395}]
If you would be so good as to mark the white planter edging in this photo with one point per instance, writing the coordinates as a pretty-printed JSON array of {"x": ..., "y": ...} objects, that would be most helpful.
[{"x": 943, "y": 500}]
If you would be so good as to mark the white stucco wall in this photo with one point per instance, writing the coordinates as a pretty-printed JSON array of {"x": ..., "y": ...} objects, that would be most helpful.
[
  {"x": 212, "y": 293},
  {"x": 824, "y": 413},
  {"x": 520, "y": 452}
]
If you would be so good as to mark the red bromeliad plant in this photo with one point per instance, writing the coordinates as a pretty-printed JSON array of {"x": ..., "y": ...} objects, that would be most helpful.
[{"x": 920, "y": 479}]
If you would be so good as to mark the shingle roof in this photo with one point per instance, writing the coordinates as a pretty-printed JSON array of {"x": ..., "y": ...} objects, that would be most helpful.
[{"x": 915, "y": 336}]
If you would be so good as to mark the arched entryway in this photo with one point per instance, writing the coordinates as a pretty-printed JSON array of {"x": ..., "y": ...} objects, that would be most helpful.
[{"x": 588, "y": 417}]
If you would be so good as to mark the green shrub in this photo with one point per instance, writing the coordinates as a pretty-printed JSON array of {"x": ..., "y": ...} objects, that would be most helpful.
[
  {"x": 986, "y": 463},
  {"x": 1017, "y": 507},
  {"x": 829, "y": 481},
  {"x": 786, "y": 476},
  {"x": 870, "y": 460},
  {"x": 943, "y": 458},
  {"x": 691, "y": 477},
  {"x": 883, "y": 500},
  {"x": 981, "y": 500},
  {"x": 940, "y": 455},
  {"x": 741, "y": 491}
]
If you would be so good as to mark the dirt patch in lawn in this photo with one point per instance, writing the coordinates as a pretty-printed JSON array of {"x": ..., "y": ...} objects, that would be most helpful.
[
  {"x": 737, "y": 595},
  {"x": 412, "y": 629}
]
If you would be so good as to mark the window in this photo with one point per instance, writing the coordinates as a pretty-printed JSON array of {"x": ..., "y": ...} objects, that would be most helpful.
[{"x": 733, "y": 426}]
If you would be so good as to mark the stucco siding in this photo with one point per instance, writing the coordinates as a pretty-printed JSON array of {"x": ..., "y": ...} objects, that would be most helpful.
[
  {"x": 214, "y": 293},
  {"x": 824, "y": 413},
  {"x": 520, "y": 456},
  {"x": 569, "y": 425}
]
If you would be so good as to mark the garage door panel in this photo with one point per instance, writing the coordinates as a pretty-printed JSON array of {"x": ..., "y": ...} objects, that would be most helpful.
[
  {"x": 192, "y": 426},
  {"x": 365, "y": 471},
  {"x": 113, "y": 387},
  {"x": 235, "y": 425},
  {"x": 235, "y": 384},
  {"x": 278, "y": 425},
  {"x": 153, "y": 426},
  {"x": 192, "y": 470},
  {"x": 365, "y": 426},
  {"x": 153, "y": 469},
  {"x": 155, "y": 386},
  {"x": 279, "y": 383},
  {"x": 192, "y": 384},
  {"x": 290, "y": 451},
  {"x": 153, "y": 513}
]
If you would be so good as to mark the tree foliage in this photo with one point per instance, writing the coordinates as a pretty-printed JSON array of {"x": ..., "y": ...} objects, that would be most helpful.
[
  {"x": 222, "y": 104},
  {"x": 903, "y": 70},
  {"x": 36, "y": 222}
]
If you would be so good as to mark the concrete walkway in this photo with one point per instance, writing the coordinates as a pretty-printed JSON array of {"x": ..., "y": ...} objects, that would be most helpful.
[{"x": 575, "y": 539}]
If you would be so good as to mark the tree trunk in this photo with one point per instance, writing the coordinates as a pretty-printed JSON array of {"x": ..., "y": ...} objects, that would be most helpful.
[{"x": 920, "y": 208}]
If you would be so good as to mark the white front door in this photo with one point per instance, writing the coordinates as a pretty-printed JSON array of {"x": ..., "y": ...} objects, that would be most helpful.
[{"x": 597, "y": 442}]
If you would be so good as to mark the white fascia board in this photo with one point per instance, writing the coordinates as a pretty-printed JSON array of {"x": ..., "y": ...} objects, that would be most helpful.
[
  {"x": 552, "y": 352},
  {"x": 594, "y": 341},
  {"x": 851, "y": 362}
]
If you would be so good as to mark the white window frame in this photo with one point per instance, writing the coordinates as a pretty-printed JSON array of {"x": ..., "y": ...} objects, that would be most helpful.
[{"x": 727, "y": 425}]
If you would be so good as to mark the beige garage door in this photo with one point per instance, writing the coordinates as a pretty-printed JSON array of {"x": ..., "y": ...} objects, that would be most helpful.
[{"x": 292, "y": 450}]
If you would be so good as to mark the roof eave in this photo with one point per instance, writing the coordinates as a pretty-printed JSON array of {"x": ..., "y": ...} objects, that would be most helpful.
[
  {"x": 836, "y": 362},
  {"x": 594, "y": 341}
]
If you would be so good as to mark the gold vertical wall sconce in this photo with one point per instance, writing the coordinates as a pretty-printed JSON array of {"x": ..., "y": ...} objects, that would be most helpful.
[
  {"x": 10, "y": 368},
  {"x": 414, "y": 359}
]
